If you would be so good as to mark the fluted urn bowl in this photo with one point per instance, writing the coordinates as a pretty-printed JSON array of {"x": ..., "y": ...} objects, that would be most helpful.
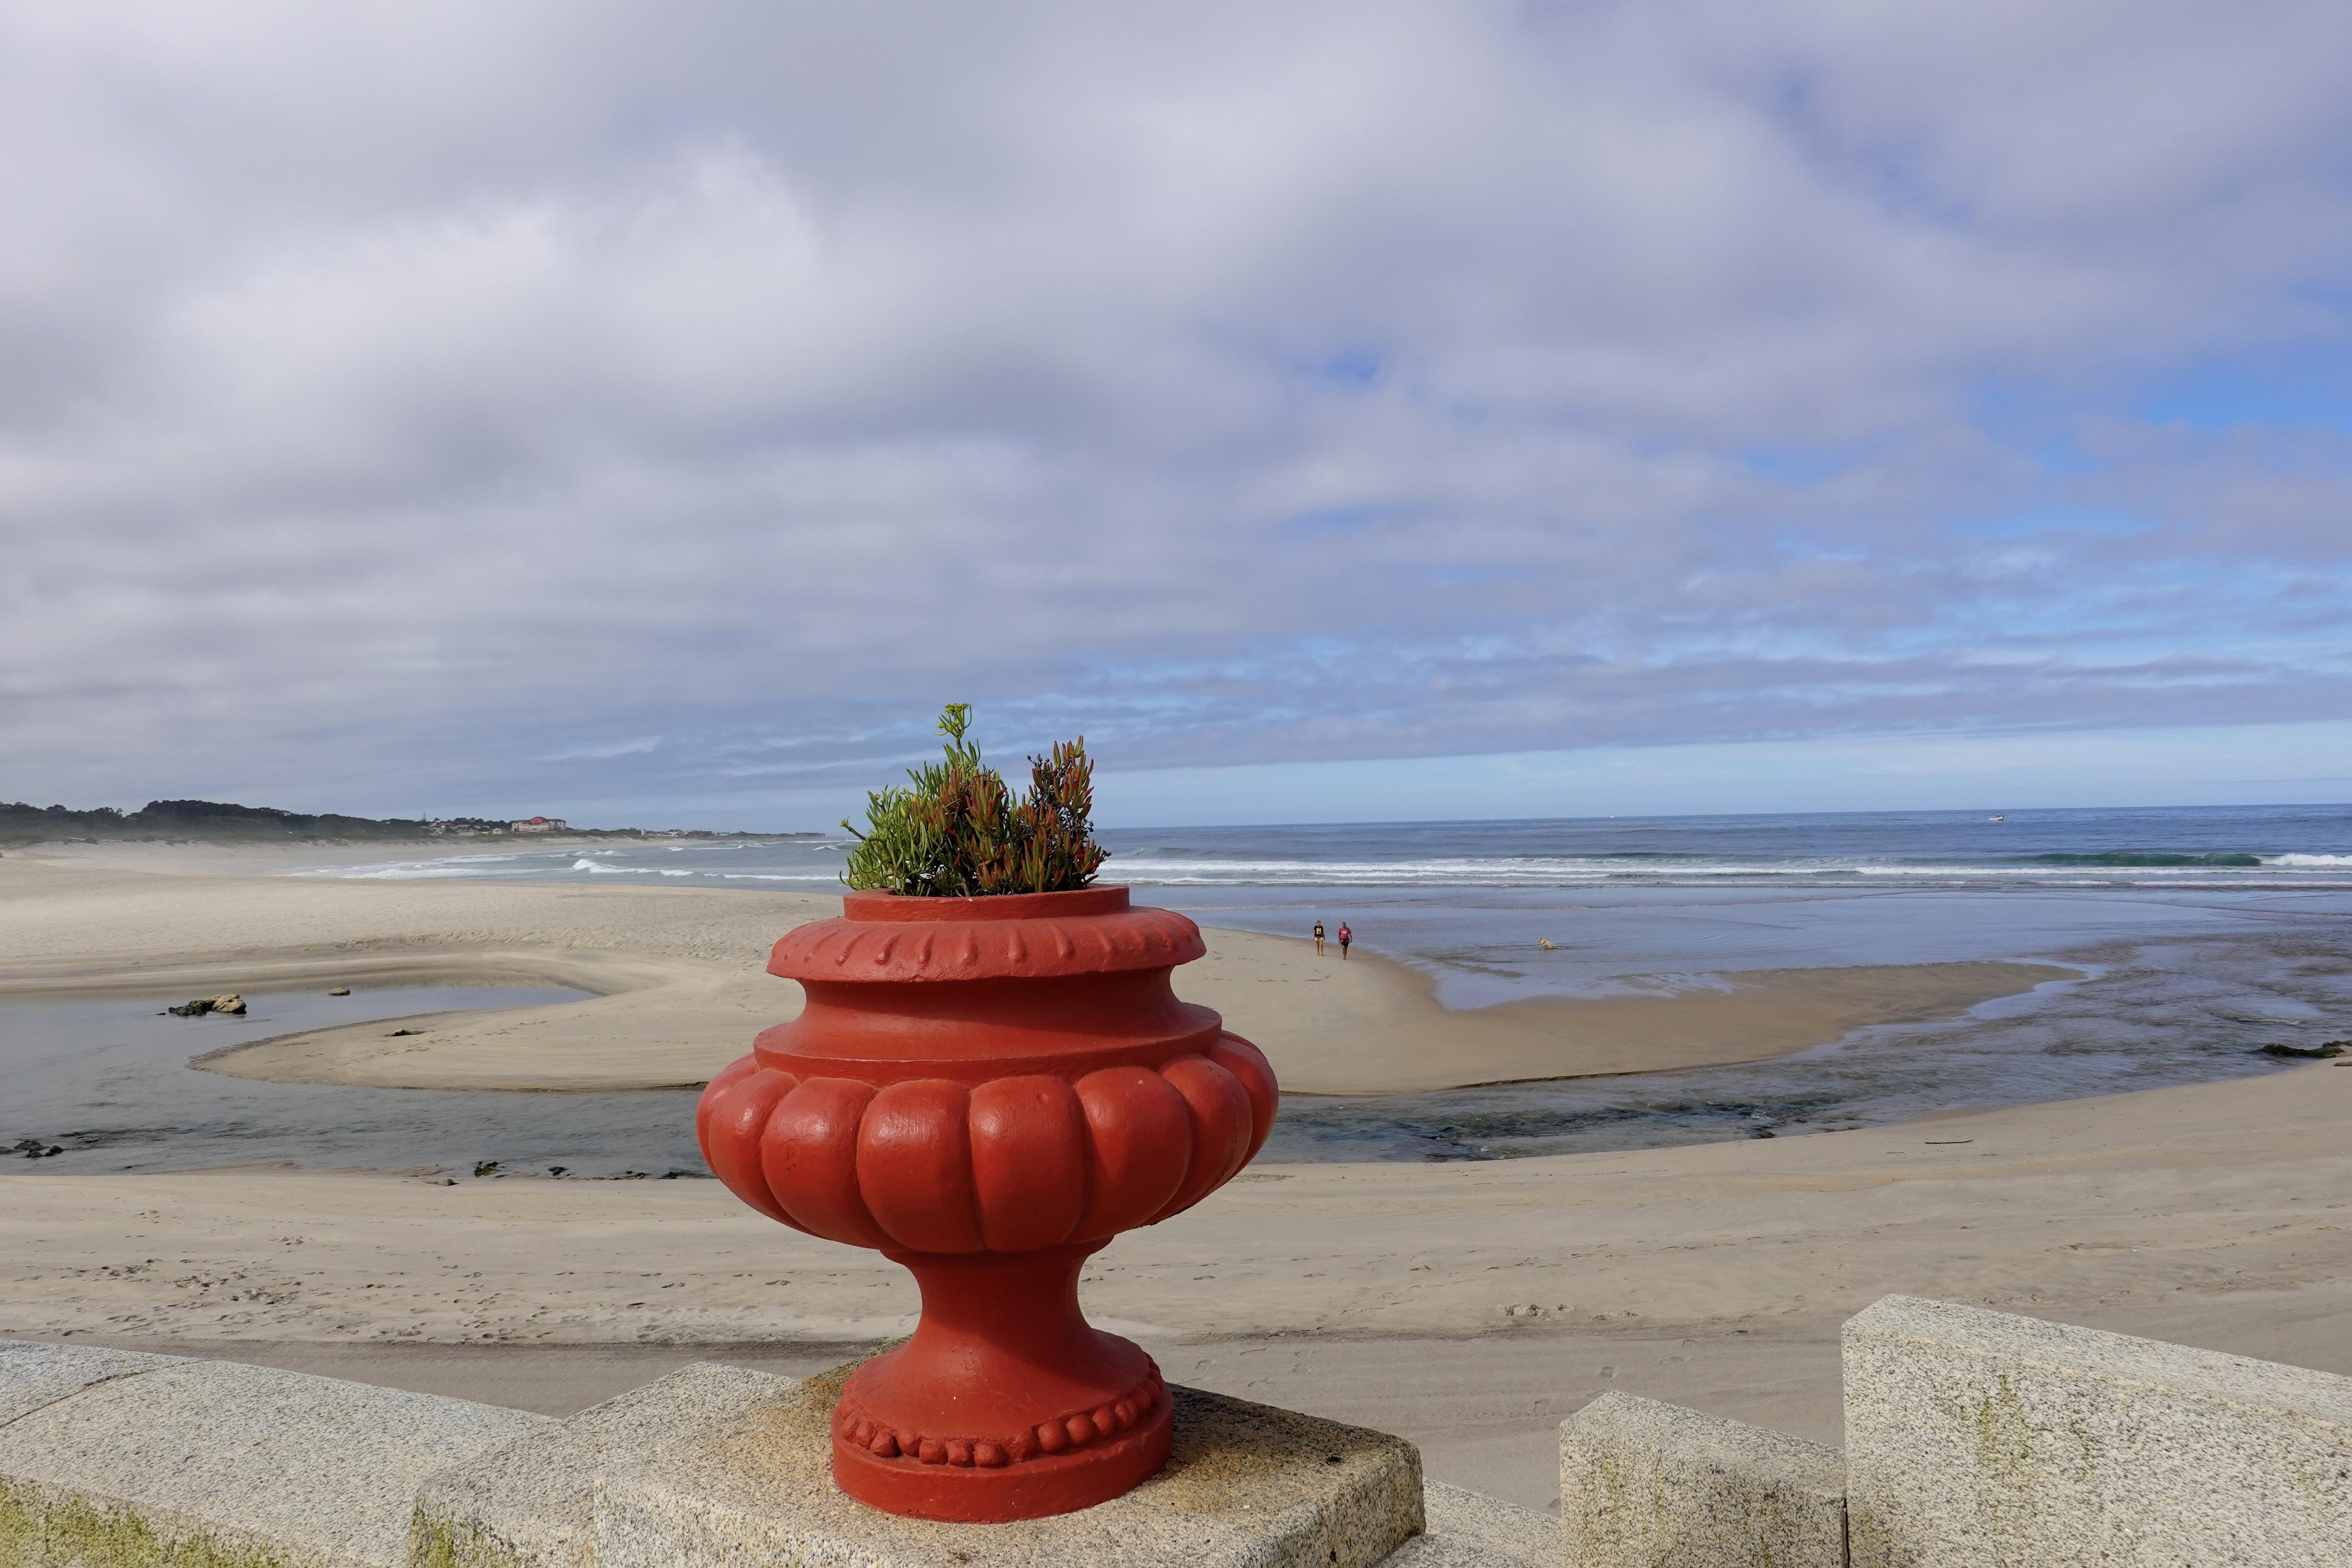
[{"x": 988, "y": 1091}]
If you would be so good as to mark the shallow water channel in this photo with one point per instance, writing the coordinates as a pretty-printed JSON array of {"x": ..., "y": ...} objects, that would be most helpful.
[{"x": 2190, "y": 1009}]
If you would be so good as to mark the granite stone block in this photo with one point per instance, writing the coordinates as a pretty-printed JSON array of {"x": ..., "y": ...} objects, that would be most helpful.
[
  {"x": 530, "y": 1503},
  {"x": 1455, "y": 1551},
  {"x": 206, "y": 1464},
  {"x": 1470, "y": 1529},
  {"x": 1976, "y": 1438},
  {"x": 1646, "y": 1485},
  {"x": 33, "y": 1373},
  {"x": 1247, "y": 1487}
]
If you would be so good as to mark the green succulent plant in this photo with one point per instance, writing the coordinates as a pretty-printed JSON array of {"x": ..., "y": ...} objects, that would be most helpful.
[{"x": 957, "y": 833}]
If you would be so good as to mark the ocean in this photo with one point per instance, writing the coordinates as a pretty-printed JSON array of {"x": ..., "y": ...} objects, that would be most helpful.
[{"x": 1646, "y": 901}]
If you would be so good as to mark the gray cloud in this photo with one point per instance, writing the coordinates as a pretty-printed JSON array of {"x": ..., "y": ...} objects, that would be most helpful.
[{"x": 532, "y": 404}]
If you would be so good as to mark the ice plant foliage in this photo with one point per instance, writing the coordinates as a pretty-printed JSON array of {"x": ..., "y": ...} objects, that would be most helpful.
[{"x": 957, "y": 833}]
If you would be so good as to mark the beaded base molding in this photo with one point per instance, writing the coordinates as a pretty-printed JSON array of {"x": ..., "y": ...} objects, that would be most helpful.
[
  {"x": 854, "y": 1426},
  {"x": 980, "y": 1481}
]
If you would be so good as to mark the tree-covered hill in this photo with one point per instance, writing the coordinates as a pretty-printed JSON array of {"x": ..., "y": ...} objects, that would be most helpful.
[{"x": 207, "y": 819}]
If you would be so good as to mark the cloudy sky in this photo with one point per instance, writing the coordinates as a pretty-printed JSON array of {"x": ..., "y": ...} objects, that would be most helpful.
[{"x": 654, "y": 412}]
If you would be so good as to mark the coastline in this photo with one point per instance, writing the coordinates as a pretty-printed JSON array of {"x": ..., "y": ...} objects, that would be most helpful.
[
  {"x": 1468, "y": 1305},
  {"x": 680, "y": 988}
]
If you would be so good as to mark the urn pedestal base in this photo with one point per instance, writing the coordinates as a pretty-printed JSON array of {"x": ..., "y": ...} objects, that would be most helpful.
[{"x": 1005, "y": 1403}]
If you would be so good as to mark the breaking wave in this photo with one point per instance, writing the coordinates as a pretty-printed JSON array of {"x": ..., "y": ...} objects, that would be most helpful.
[{"x": 2156, "y": 858}]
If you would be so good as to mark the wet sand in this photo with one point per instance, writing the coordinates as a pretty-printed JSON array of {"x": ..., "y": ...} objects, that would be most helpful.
[{"x": 680, "y": 985}]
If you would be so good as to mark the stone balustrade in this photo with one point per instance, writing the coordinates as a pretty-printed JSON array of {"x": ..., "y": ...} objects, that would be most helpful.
[{"x": 1974, "y": 1439}]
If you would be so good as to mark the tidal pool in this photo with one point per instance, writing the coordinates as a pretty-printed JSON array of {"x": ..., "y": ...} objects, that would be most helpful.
[{"x": 108, "y": 1084}]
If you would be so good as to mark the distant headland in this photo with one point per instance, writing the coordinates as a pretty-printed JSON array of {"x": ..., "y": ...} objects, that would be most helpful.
[{"x": 218, "y": 821}]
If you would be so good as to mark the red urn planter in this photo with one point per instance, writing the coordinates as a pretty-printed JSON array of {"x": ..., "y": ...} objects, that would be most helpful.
[{"x": 988, "y": 1091}]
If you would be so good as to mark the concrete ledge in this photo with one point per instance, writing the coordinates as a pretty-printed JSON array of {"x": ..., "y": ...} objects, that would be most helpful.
[
  {"x": 1646, "y": 1485},
  {"x": 1248, "y": 1486},
  {"x": 1978, "y": 1437},
  {"x": 203, "y": 1464}
]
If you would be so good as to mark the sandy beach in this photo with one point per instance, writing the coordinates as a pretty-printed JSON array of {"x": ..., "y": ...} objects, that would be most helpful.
[{"x": 1469, "y": 1305}]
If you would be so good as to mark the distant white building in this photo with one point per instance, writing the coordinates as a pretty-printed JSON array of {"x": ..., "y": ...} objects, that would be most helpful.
[{"x": 539, "y": 824}]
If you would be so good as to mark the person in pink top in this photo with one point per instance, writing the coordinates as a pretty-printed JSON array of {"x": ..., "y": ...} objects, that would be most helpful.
[{"x": 1346, "y": 936}]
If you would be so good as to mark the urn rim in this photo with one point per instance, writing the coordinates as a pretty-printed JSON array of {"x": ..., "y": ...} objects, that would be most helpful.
[
  {"x": 895, "y": 938},
  {"x": 909, "y": 909}
]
